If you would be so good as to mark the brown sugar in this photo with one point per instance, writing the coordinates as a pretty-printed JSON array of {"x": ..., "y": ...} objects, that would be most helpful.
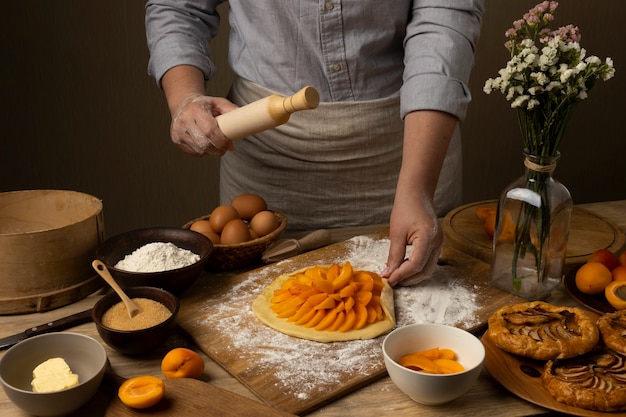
[{"x": 152, "y": 313}]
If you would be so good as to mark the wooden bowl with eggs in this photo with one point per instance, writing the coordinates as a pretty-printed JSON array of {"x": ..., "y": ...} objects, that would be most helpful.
[{"x": 240, "y": 232}]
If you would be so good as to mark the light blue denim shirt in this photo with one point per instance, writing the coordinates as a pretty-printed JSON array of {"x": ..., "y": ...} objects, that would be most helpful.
[{"x": 349, "y": 50}]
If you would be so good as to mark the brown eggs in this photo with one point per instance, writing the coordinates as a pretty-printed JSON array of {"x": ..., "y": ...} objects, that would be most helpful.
[
  {"x": 222, "y": 215},
  {"x": 264, "y": 222},
  {"x": 246, "y": 218},
  {"x": 247, "y": 205},
  {"x": 235, "y": 231}
]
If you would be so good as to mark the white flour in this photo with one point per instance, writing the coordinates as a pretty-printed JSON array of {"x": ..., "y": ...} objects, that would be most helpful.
[
  {"x": 305, "y": 369},
  {"x": 157, "y": 257}
]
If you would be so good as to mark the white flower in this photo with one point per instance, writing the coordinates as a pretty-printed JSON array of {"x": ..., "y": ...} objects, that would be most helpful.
[{"x": 519, "y": 101}]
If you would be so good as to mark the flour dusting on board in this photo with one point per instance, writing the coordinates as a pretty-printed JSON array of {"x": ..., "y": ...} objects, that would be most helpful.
[{"x": 304, "y": 368}]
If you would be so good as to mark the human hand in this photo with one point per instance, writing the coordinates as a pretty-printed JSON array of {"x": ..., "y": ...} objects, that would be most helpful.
[
  {"x": 413, "y": 223},
  {"x": 194, "y": 128}
]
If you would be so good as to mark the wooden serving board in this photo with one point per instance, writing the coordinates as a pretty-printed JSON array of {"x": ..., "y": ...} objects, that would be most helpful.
[
  {"x": 297, "y": 375},
  {"x": 464, "y": 231},
  {"x": 508, "y": 369},
  {"x": 193, "y": 398}
]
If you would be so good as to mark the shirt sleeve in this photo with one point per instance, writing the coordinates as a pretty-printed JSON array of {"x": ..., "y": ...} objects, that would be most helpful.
[
  {"x": 439, "y": 48},
  {"x": 180, "y": 33}
]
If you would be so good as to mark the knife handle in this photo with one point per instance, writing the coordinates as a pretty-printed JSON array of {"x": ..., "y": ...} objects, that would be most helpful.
[{"x": 60, "y": 324}]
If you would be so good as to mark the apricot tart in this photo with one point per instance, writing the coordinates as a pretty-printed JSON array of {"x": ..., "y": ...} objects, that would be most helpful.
[
  {"x": 594, "y": 381},
  {"x": 612, "y": 327},
  {"x": 328, "y": 304},
  {"x": 542, "y": 331}
]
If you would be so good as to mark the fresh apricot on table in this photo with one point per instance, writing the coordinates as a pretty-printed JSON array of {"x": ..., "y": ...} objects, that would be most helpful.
[
  {"x": 615, "y": 294},
  {"x": 619, "y": 273},
  {"x": 141, "y": 391},
  {"x": 605, "y": 257},
  {"x": 182, "y": 363},
  {"x": 592, "y": 278}
]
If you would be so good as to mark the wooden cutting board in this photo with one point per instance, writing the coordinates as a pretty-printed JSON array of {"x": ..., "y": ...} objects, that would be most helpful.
[
  {"x": 297, "y": 375},
  {"x": 588, "y": 232},
  {"x": 193, "y": 398}
]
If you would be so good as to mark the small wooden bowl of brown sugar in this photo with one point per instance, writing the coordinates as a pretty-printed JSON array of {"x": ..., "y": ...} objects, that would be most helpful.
[{"x": 143, "y": 332}]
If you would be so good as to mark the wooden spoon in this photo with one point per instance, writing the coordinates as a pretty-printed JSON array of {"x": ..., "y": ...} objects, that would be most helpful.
[{"x": 102, "y": 270}]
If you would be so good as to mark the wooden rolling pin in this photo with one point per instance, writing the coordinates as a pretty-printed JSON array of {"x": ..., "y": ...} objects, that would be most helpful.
[
  {"x": 265, "y": 113},
  {"x": 286, "y": 248}
]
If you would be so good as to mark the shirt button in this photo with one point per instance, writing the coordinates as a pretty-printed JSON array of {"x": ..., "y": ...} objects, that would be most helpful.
[
  {"x": 329, "y": 5},
  {"x": 336, "y": 67}
]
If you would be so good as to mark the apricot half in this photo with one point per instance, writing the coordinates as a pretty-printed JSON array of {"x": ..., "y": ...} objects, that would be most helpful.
[
  {"x": 182, "y": 363},
  {"x": 615, "y": 294},
  {"x": 141, "y": 391},
  {"x": 432, "y": 361}
]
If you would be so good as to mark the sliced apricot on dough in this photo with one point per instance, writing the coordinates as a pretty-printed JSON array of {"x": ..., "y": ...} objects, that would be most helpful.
[
  {"x": 361, "y": 316},
  {"x": 307, "y": 317},
  {"x": 348, "y": 324},
  {"x": 350, "y": 302},
  {"x": 302, "y": 311},
  {"x": 344, "y": 276},
  {"x": 363, "y": 297},
  {"x": 341, "y": 317},
  {"x": 348, "y": 290},
  {"x": 327, "y": 321},
  {"x": 319, "y": 315},
  {"x": 371, "y": 314},
  {"x": 328, "y": 303},
  {"x": 324, "y": 286}
]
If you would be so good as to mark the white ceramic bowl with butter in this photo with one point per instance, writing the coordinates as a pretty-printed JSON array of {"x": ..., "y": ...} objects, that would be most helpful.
[
  {"x": 84, "y": 355},
  {"x": 433, "y": 389}
]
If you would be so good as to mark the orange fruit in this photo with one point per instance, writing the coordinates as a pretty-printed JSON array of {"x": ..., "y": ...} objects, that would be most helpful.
[
  {"x": 605, "y": 257},
  {"x": 622, "y": 258},
  {"x": 490, "y": 224},
  {"x": 619, "y": 273},
  {"x": 182, "y": 363},
  {"x": 615, "y": 294},
  {"x": 592, "y": 278},
  {"x": 482, "y": 212},
  {"x": 141, "y": 391}
]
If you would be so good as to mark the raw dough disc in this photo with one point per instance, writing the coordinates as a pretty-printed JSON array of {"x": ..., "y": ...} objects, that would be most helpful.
[{"x": 261, "y": 308}]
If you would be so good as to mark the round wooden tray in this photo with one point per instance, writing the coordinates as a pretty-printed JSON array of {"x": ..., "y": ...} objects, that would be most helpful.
[
  {"x": 508, "y": 370},
  {"x": 464, "y": 231}
]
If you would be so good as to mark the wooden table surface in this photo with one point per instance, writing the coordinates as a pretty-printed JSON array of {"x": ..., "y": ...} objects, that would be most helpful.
[{"x": 381, "y": 398}]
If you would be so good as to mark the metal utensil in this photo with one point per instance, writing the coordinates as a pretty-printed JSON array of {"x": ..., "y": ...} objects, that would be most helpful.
[
  {"x": 285, "y": 248},
  {"x": 49, "y": 327},
  {"x": 101, "y": 269}
]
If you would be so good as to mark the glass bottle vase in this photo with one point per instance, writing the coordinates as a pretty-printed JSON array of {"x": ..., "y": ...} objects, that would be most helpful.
[{"x": 532, "y": 228}]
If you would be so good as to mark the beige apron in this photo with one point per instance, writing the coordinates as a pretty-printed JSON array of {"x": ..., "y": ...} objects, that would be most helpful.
[{"x": 334, "y": 166}]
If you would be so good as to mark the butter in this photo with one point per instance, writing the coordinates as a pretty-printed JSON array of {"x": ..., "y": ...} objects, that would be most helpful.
[{"x": 53, "y": 375}]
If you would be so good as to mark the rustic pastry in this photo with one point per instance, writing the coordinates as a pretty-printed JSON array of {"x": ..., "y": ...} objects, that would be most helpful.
[
  {"x": 328, "y": 304},
  {"x": 612, "y": 327},
  {"x": 594, "y": 381},
  {"x": 542, "y": 331}
]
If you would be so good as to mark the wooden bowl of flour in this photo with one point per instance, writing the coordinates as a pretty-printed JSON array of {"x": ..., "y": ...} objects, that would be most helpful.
[{"x": 163, "y": 257}]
